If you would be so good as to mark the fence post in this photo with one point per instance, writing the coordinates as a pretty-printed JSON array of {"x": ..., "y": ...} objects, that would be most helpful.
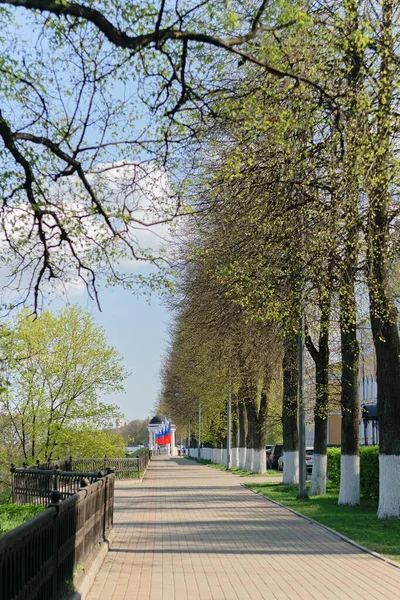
[
  {"x": 55, "y": 480},
  {"x": 55, "y": 501},
  {"x": 138, "y": 466},
  {"x": 105, "y": 507},
  {"x": 105, "y": 463},
  {"x": 12, "y": 469}
]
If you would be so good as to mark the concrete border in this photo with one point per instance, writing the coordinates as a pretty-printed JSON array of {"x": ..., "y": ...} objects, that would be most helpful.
[
  {"x": 336, "y": 533},
  {"x": 84, "y": 585}
]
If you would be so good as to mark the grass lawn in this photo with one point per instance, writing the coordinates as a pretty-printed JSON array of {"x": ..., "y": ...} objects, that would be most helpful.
[
  {"x": 235, "y": 470},
  {"x": 241, "y": 473},
  {"x": 12, "y": 515},
  {"x": 359, "y": 523}
]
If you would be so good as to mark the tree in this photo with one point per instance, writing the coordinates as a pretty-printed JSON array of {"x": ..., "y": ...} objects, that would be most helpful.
[
  {"x": 57, "y": 367},
  {"x": 75, "y": 193},
  {"x": 88, "y": 442},
  {"x": 135, "y": 431}
]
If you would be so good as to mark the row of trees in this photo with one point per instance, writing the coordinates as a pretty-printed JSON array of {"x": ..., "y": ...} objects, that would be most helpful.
[
  {"x": 55, "y": 369},
  {"x": 295, "y": 196},
  {"x": 298, "y": 165}
]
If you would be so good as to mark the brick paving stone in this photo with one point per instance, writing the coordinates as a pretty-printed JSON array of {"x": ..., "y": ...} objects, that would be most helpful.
[{"x": 193, "y": 533}]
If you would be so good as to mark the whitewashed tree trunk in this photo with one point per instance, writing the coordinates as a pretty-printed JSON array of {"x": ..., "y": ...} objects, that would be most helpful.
[
  {"x": 235, "y": 457},
  {"x": 291, "y": 468},
  {"x": 259, "y": 461},
  {"x": 318, "y": 478},
  {"x": 224, "y": 457},
  {"x": 349, "y": 493},
  {"x": 249, "y": 460},
  {"x": 242, "y": 457},
  {"x": 389, "y": 486}
]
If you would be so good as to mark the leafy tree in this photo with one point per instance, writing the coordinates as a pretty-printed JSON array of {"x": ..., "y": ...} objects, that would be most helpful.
[
  {"x": 135, "y": 431},
  {"x": 57, "y": 367},
  {"x": 74, "y": 190},
  {"x": 86, "y": 442}
]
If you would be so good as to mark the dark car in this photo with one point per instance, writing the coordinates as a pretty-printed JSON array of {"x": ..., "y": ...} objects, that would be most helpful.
[
  {"x": 268, "y": 452},
  {"x": 276, "y": 452}
]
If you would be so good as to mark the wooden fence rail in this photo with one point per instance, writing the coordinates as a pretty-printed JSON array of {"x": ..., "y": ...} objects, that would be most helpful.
[{"x": 39, "y": 558}]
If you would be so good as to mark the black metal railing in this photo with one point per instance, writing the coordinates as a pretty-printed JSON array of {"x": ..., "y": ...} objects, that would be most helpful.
[
  {"x": 123, "y": 468},
  {"x": 34, "y": 486},
  {"x": 39, "y": 558}
]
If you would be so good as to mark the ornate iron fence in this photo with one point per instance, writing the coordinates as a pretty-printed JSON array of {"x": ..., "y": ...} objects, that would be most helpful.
[
  {"x": 124, "y": 468},
  {"x": 34, "y": 486},
  {"x": 39, "y": 558}
]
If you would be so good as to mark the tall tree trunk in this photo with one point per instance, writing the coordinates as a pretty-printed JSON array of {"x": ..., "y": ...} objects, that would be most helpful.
[
  {"x": 289, "y": 410},
  {"x": 383, "y": 311},
  {"x": 235, "y": 432},
  {"x": 257, "y": 433},
  {"x": 321, "y": 361},
  {"x": 251, "y": 431},
  {"x": 350, "y": 400},
  {"x": 242, "y": 430},
  {"x": 352, "y": 165}
]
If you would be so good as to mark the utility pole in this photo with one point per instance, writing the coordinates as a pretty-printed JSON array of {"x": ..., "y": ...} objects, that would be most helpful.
[{"x": 302, "y": 424}]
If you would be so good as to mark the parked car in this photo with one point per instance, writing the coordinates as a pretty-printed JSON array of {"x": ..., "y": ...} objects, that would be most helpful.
[
  {"x": 309, "y": 460},
  {"x": 276, "y": 452},
  {"x": 268, "y": 452}
]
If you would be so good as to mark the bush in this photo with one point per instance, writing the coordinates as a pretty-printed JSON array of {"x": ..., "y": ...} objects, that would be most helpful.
[
  {"x": 334, "y": 466},
  {"x": 369, "y": 469}
]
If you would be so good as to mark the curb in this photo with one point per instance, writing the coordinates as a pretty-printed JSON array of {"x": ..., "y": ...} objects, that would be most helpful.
[
  {"x": 344, "y": 538},
  {"x": 85, "y": 584}
]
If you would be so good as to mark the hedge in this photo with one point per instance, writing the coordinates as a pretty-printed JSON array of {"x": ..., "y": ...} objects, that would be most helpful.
[{"x": 369, "y": 469}]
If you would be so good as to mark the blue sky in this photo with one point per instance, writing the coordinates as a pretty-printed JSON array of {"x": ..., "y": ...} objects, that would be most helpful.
[
  {"x": 138, "y": 330},
  {"x": 135, "y": 327}
]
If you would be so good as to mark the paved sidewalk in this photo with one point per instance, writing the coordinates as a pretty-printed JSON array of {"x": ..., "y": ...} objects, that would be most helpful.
[{"x": 191, "y": 532}]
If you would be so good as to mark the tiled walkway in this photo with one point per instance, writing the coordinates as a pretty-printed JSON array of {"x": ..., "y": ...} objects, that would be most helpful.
[{"x": 189, "y": 532}]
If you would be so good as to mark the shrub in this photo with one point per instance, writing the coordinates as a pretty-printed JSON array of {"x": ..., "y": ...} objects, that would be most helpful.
[
  {"x": 334, "y": 466},
  {"x": 369, "y": 471}
]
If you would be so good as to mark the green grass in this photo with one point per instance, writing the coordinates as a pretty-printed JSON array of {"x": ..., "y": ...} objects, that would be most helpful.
[
  {"x": 12, "y": 515},
  {"x": 359, "y": 523},
  {"x": 235, "y": 470},
  {"x": 5, "y": 497}
]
